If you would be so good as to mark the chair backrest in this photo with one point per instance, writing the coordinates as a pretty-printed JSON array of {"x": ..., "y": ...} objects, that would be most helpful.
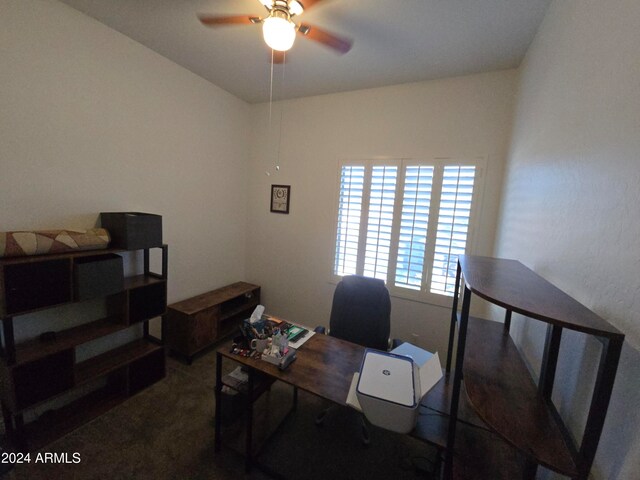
[{"x": 361, "y": 312}]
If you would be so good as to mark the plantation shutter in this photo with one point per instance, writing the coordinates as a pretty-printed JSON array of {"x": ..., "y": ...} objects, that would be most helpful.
[
  {"x": 405, "y": 222},
  {"x": 414, "y": 223},
  {"x": 453, "y": 226},
  {"x": 349, "y": 212},
  {"x": 380, "y": 221}
]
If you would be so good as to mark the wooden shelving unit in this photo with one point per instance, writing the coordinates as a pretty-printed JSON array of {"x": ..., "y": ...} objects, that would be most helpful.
[
  {"x": 525, "y": 427},
  {"x": 44, "y": 368}
]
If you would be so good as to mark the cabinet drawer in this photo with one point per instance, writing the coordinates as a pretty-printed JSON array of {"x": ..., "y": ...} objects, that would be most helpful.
[
  {"x": 204, "y": 328},
  {"x": 188, "y": 334}
]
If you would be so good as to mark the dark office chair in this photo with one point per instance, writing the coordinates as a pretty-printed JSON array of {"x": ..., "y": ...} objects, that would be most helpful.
[{"x": 361, "y": 314}]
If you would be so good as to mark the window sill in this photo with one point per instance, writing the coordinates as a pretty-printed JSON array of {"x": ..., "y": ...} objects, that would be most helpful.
[
  {"x": 421, "y": 297},
  {"x": 413, "y": 296}
]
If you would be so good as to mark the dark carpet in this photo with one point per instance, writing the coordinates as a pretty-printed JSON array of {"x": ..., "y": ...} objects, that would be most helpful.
[
  {"x": 166, "y": 432},
  {"x": 302, "y": 450}
]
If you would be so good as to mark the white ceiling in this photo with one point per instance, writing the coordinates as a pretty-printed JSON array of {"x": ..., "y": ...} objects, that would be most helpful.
[{"x": 395, "y": 41}]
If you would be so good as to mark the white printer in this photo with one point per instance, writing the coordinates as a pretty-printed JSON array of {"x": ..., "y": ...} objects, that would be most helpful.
[{"x": 389, "y": 386}]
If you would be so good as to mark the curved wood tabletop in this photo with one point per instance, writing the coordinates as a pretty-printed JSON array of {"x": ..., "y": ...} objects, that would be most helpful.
[{"x": 511, "y": 285}]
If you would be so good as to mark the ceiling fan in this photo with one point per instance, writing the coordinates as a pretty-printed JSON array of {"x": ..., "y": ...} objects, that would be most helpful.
[{"x": 278, "y": 27}]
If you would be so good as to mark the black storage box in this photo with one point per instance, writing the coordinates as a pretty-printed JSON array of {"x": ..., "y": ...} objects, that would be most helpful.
[
  {"x": 29, "y": 286},
  {"x": 133, "y": 230},
  {"x": 97, "y": 276}
]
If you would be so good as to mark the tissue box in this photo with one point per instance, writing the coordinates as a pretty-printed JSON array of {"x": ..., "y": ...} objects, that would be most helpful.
[{"x": 388, "y": 390}]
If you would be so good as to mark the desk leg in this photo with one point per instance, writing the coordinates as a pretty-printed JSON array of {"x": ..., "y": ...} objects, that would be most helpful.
[
  {"x": 218, "y": 390},
  {"x": 457, "y": 384},
  {"x": 295, "y": 399},
  {"x": 249, "y": 407}
]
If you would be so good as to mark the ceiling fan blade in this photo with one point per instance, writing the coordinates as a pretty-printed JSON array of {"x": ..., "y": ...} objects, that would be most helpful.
[
  {"x": 340, "y": 44},
  {"x": 307, "y": 4},
  {"x": 216, "y": 20}
]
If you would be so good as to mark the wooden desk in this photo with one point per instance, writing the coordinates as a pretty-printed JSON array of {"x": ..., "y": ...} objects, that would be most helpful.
[{"x": 324, "y": 367}]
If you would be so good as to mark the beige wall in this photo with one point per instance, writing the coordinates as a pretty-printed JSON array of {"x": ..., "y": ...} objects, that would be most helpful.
[
  {"x": 292, "y": 255},
  {"x": 92, "y": 121},
  {"x": 571, "y": 202}
]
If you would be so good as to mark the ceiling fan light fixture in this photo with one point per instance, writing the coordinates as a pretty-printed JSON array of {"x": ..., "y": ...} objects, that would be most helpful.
[
  {"x": 278, "y": 32},
  {"x": 295, "y": 7}
]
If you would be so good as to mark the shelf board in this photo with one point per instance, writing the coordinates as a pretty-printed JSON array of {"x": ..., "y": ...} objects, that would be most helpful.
[
  {"x": 229, "y": 325},
  {"x": 261, "y": 384},
  {"x": 113, "y": 359},
  {"x": 59, "y": 422},
  {"x": 195, "y": 304},
  {"x": 433, "y": 422},
  {"x": 138, "y": 281},
  {"x": 247, "y": 307},
  {"x": 130, "y": 283},
  {"x": 479, "y": 454},
  {"x": 66, "y": 339},
  {"x": 58, "y": 256},
  {"x": 503, "y": 394}
]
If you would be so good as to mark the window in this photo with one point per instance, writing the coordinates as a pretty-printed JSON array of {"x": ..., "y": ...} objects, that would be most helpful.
[{"x": 405, "y": 222}]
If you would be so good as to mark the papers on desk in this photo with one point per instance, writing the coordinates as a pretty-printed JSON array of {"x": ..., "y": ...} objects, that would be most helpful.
[
  {"x": 239, "y": 375},
  {"x": 235, "y": 381},
  {"x": 300, "y": 341},
  {"x": 352, "y": 398},
  {"x": 428, "y": 365}
]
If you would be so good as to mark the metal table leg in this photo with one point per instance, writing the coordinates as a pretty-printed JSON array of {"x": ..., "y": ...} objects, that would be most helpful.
[
  {"x": 248, "y": 460},
  {"x": 218, "y": 390}
]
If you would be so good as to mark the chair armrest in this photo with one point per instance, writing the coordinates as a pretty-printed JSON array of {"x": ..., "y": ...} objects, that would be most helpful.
[{"x": 320, "y": 329}]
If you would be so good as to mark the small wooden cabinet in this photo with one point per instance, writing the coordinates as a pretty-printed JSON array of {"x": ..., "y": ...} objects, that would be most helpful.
[
  {"x": 44, "y": 368},
  {"x": 196, "y": 323}
]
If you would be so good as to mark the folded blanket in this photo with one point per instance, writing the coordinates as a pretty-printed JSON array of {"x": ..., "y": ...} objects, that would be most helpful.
[{"x": 16, "y": 244}]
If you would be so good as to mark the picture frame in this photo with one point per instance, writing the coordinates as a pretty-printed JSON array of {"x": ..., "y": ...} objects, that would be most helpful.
[{"x": 280, "y": 198}]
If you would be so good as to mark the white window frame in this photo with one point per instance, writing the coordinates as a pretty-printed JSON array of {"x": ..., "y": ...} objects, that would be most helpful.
[{"x": 423, "y": 295}]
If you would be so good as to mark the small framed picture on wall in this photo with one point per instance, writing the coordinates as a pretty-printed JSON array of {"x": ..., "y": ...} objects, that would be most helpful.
[{"x": 280, "y": 196}]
